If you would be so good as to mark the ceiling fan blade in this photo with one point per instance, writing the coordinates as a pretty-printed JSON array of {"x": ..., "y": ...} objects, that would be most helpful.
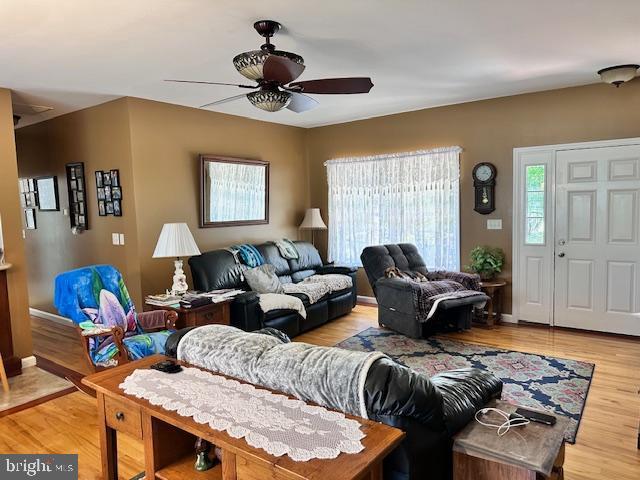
[
  {"x": 334, "y": 85},
  {"x": 281, "y": 69},
  {"x": 301, "y": 103},
  {"x": 224, "y": 100},
  {"x": 213, "y": 83}
]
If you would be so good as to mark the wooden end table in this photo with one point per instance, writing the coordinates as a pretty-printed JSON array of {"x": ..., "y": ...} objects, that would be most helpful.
[
  {"x": 494, "y": 290},
  {"x": 169, "y": 440},
  {"x": 208, "y": 314},
  {"x": 532, "y": 452}
]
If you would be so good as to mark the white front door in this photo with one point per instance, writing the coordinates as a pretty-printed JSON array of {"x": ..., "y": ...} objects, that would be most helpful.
[{"x": 597, "y": 239}]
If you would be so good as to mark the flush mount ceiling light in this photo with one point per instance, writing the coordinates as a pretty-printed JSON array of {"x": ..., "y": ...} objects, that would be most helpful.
[{"x": 619, "y": 74}]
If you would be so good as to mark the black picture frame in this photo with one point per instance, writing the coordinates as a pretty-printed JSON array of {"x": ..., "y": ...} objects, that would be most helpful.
[
  {"x": 106, "y": 178},
  {"x": 98, "y": 175},
  {"x": 115, "y": 177},
  {"x": 102, "y": 208},
  {"x": 117, "y": 208},
  {"x": 76, "y": 184},
  {"x": 30, "y": 222},
  {"x": 47, "y": 188},
  {"x": 109, "y": 208}
]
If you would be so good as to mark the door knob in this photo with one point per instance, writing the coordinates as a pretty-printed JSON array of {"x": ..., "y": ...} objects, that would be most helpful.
[{"x": 561, "y": 254}]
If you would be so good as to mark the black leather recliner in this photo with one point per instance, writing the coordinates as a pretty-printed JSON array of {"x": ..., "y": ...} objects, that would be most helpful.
[
  {"x": 395, "y": 296},
  {"x": 218, "y": 269}
]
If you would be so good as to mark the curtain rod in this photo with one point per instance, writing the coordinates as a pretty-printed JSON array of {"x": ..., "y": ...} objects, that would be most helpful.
[{"x": 386, "y": 156}]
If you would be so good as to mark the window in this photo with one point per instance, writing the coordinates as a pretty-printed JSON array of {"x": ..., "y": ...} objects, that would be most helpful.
[
  {"x": 408, "y": 197},
  {"x": 535, "y": 203}
]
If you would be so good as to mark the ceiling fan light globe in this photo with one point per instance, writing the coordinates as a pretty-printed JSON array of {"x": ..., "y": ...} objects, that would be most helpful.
[
  {"x": 250, "y": 64},
  {"x": 269, "y": 100}
]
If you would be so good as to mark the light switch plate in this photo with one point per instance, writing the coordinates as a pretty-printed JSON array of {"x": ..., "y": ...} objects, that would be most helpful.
[
  {"x": 115, "y": 239},
  {"x": 494, "y": 224},
  {"x": 122, "y": 239}
]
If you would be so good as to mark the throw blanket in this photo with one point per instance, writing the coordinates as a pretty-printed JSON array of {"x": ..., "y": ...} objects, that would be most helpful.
[
  {"x": 470, "y": 281},
  {"x": 428, "y": 295},
  {"x": 313, "y": 291},
  {"x": 334, "y": 281},
  {"x": 249, "y": 255},
  {"x": 287, "y": 249},
  {"x": 329, "y": 376},
  {"x": 277, "y": 301}
]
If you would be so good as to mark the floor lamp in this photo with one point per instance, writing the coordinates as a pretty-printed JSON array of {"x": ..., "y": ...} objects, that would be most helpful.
[{"x": 312, "y": 221}]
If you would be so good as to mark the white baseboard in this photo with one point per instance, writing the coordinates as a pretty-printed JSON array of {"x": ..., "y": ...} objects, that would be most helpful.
[
  {"x": 49, "y": 316},
  {"x": 28, "y": 361},
  {"x": 367, "y": 300},
  {"x": 508, "y": 318}
]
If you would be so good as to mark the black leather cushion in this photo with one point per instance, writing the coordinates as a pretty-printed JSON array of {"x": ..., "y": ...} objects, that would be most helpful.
[
  {"x": 301, "y": 275},
  {"x": 309, "y": 258},
  {"x": 464, "y": 392},
  {"x": 272, "y": 256},
  {"x": 404, "y": 256},
  {"x": 287, "y": 323},
  {"x": 215, "y": 270}
]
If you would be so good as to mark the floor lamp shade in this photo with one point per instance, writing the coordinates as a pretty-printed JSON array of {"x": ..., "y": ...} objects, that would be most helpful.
[
  {"x": 313, "y": 220},
  {"x": 175, "y": 241}
]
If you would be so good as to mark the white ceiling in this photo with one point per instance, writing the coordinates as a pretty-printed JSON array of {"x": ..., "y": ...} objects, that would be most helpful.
[{"x": 73, "y": 54}]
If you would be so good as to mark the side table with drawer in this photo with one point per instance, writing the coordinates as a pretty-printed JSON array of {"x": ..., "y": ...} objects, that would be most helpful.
[{"x": 218, "y": 313}]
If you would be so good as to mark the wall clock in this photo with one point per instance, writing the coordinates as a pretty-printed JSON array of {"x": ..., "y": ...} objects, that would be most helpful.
[{"x": 484, "y": 182}]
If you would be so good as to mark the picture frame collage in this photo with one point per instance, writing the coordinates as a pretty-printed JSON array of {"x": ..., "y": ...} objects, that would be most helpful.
[
  {"x": 29, "y": 202},
  {"x": 109, "y": 192},
  {"x": 77, "y": 189}
]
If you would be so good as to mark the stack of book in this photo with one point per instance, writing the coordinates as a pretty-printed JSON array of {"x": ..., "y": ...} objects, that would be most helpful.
[{"x": 162, "y": 300}]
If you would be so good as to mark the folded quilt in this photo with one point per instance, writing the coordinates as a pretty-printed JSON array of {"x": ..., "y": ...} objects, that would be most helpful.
[
  {"x": 277, "y": 301},
  {"x": 428, "y": 295},
  {"x": 334, "y": 281},
  {"x": 287, "y": 249},
  {"x": 249, "y": 255},
  {"x": 470, "y": 281},
  {"x": 331, "y": 377},
  {"x": 313, "y": 291}
]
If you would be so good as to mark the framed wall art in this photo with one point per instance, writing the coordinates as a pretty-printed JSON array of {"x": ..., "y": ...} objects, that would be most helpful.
[
  {"x": 77, "y": 196},
  {"x": 109, "y": 193}
]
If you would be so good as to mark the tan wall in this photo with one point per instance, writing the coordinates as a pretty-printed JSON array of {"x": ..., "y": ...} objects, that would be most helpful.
[
  {"x": 11, "y": 215},
  {"x": 487, "y": 131},
  {"x": 99, "y": 137},
  {"x": 166, "y": 142}
]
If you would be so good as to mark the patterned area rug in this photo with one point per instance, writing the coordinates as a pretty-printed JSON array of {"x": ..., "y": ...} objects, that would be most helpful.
[{"x": 535, "y": 381}]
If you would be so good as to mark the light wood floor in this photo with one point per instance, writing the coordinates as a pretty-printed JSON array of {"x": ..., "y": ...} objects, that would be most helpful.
[{"x": 606, "y": 444}]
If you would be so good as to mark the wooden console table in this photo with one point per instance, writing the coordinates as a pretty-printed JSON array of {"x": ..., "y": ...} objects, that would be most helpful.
[
  {"x": 12, "y": 364},
  {"x": 494, "y": 290},
  {"x": 169, "y": 441}
]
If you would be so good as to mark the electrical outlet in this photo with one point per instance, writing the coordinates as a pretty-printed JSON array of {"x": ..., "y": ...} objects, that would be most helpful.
[
  {"x": 494, "y": 224},
  {"x": 115, "y": 239},
  {"x": 122, "y": 239}
]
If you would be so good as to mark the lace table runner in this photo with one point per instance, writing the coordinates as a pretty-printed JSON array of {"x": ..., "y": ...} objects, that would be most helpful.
[{"x": 273, "y": 422}]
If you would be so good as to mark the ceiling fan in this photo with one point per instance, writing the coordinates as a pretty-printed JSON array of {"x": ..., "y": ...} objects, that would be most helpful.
[{"x": 274, "y": 72}]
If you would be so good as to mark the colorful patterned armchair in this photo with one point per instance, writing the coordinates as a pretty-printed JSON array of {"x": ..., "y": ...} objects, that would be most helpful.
[{"x": 96, "y": 299}]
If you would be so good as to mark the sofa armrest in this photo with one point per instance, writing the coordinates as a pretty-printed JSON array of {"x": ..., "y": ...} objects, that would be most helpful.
[
  {"x": 246, "y": 313},
  {"x": 464, "y": 392},
  {"x": 157, "y": 320},
  {"x": 393, "y": 285},
  {"x": 339, "y": 269}
]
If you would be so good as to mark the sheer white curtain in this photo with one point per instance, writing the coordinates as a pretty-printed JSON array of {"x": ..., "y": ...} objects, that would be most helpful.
[
  {"x": 408, "y": 197},
  {"x": 237, "y": 191}
]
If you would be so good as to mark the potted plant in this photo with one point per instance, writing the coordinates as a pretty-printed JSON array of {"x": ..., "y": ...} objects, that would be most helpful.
[{"x": 486, "y": 261}]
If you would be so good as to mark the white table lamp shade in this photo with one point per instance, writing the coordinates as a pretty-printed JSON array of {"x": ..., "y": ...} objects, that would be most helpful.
[
  {"x": 313, "y": 220},
  {"x": 175, "y": 241}
]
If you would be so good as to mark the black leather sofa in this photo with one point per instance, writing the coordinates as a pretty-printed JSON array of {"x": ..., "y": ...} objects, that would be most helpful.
[
  {"x": 429, "y": 410},
  {"x": 395, "y": 297},
  {"x": 218, "y": 269}
]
